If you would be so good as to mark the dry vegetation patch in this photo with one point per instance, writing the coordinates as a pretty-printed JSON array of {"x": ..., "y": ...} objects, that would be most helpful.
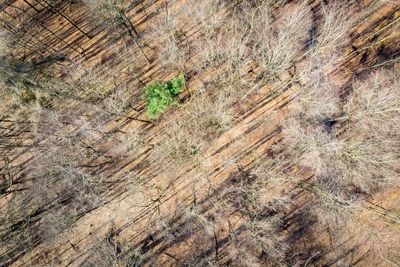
[{"x": 243, "y": 133}]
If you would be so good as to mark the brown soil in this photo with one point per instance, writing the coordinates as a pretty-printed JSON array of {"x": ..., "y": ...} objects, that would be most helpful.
[{"x": 168, "y": 189}]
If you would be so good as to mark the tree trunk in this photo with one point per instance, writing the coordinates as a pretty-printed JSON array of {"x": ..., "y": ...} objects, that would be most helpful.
[{"x": 133, "y": 33}]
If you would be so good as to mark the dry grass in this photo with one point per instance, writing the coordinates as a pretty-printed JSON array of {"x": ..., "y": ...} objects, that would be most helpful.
[
  {"x": 206, "y": 116},
  {"x": 180, "y": 145},
  {"x": 127, "y": 143},
  {"x": 118, "y": 103}
]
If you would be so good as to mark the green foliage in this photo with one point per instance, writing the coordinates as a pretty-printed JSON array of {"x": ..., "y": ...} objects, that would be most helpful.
[
  {"x": 176, "y": 84},
  {"x": 162, "y": 95}
]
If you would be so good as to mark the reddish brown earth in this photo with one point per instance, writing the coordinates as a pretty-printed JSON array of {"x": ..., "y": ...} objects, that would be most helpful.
[{"x": 131, "y": 210}]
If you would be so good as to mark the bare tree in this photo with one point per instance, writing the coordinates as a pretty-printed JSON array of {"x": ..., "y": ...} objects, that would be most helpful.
[
  {"x": 115, "y": 12},
  {"x": 333, "y": 33},
  {"x": 317, "y": 98},
  {"x": 58, "y": 188},
  {"x": 374, "y": 103},
  {"x": 206, "y": 13},
  {"x": 175, "y": 47},
  {"x": 277, "y": 43}
]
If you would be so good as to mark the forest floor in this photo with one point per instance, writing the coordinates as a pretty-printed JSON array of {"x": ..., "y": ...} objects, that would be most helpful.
[{"x": 172, "y": 194}]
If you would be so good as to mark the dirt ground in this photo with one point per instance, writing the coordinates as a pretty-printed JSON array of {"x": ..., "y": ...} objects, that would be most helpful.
[{"x": 134, "y": 211}]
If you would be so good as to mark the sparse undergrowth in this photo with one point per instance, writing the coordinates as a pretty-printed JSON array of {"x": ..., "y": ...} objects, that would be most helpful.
[{"x": 214, "y": 182}]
